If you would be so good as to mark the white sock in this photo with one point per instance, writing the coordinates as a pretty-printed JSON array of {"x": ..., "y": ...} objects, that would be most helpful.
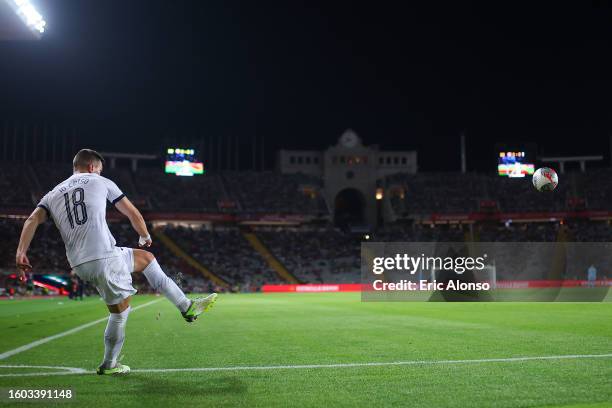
[
  {"x": 160, "y": 282},
  {"x": 114, "y": 336}
]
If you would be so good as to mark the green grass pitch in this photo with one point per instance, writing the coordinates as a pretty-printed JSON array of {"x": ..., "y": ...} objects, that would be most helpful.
[{"x": 266, "y": 330}]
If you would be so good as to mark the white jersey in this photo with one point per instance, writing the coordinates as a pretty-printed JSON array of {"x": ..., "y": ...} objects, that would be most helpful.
[{"x": 78, "y": 208}]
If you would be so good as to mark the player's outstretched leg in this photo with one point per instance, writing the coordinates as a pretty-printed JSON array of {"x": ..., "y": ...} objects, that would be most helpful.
[
  {"x": 114, "y": 335},
  {"x": 146, "y": 263}
]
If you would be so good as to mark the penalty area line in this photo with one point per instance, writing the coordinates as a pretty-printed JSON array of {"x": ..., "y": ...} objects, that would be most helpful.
[
  {"x": 72, "y": 371},
  {"x": 44, "y": 340}
]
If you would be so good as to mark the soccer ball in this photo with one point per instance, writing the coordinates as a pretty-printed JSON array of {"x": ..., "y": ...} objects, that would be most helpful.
[{"x": 545, "y": 179}]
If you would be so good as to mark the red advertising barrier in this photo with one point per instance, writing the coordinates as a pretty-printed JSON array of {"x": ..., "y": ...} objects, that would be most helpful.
[
  {"x": 522, "y": 284},
  {"x": 357, "y": 287},
  {"x": 313, "y": 287}
]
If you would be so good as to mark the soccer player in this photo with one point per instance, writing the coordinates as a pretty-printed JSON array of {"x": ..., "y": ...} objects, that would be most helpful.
[
  {"x": 591, "y": 276},
  {"x": 77, "y": 206}
]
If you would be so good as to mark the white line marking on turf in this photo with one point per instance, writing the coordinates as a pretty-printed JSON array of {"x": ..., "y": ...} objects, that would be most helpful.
[
  {"x": 313, "y": 366},
  {"x": 44, "y": 340},
  {"x": 375, "y": 364},
  {"x": 66, "y": 370}
]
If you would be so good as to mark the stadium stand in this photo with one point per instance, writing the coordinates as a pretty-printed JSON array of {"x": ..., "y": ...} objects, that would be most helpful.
[
  {"x": 249, "y": 192},
  {"x": 252, "y": 192},
  {"x": 47, "y": 250},
  {"x": 170, "y": 193},
  {"x": 315, "y": 255},
  {"x": 437, "y": 192},
  {"x": 525, "y": 232},
  {"x": 226, "y": 253},
  {"x": 426, "y": 193},
  {"x": 14, "y": 185},
  {"x": 581, "y": 231},
  {"x": 597, "y": 188},
  {"x": 276, "y": 193},
  {"x": 312, "y": 253}
]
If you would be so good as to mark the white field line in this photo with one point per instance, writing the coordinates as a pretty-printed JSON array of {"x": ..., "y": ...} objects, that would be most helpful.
[
  {"x": 44, "y": 340},
  {"x": 71, "y": 370},
  {"x": 66, "y": 370}
]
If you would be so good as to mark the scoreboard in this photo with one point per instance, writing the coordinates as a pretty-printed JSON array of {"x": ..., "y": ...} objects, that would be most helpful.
[
  {"x": 183, "y": 162},
  {"x": 514, "y": 164}
]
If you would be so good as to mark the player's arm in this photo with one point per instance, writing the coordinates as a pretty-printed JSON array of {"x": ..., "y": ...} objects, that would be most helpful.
[
  {"x": 38, "y": 216},
  {"x": 128, "y": 209}
]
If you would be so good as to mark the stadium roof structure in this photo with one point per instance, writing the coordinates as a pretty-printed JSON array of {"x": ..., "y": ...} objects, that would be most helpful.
[
  {"x": 19, "y": 20},
  {"x": 569, "y": 159},
  {"x": 134, "y": 157}
]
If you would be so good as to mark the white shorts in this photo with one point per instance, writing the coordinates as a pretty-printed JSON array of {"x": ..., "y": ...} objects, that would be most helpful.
[{"x": 111, "y": 276}]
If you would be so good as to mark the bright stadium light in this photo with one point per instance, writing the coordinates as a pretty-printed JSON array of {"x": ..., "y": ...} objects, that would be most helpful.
[
  {"x": 379, "y": 193},
  {"x": 29, "y": 15}
]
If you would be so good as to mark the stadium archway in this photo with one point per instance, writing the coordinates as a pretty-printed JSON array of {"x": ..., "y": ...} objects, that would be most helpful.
[{"x": 349, "y": 208}]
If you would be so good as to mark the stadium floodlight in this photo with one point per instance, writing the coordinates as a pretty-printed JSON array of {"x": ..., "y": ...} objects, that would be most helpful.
[
  {"x": 29, "y": 15},
  {"x": 379, "y": 193}
]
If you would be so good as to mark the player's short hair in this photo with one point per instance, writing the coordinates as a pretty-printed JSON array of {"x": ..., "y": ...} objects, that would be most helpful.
[{"x": 85, "y": 157}]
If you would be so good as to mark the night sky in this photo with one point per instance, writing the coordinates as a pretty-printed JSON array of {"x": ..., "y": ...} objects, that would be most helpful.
[{"x": 128, "y": 74}]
